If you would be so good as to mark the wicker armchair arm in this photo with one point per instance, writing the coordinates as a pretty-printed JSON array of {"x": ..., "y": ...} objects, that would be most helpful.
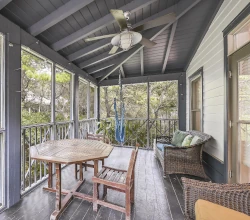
[{"x": 233, "y": 196}]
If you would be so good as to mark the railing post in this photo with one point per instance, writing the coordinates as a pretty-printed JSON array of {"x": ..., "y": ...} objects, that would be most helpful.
[{"x": 148, "y": 114}]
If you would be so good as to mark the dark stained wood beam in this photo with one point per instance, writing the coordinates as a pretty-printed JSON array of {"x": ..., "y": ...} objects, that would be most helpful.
[
  {"x": 58, "y": 15},
  {"x": 98, "y": 25},
  {"x": 170, "y": 42}
]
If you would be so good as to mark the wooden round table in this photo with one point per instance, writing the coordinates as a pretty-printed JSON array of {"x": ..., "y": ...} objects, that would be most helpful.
[{"x": 72, "y": 151}]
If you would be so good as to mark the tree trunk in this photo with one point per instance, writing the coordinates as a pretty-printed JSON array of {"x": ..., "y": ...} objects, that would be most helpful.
[{"x": 106, "y": 101}]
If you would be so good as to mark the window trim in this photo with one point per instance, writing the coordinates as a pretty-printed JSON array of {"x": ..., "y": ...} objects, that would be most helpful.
[{"x": 197, "y": 74}]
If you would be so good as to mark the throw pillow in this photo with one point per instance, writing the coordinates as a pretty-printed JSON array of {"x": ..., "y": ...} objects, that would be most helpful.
[
  {"x": 187, "y": 140},
  {"x": 195, "y": 140},
  {"x": 178, "y": 138}
]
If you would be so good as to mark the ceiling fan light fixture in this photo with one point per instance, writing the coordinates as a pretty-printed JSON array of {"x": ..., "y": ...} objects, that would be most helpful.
[{"x": 126, "y": 39}]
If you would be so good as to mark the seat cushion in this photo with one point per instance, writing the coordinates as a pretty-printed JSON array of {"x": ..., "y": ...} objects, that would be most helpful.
[
  {"x": 205, "y": 210},
  {"x": 178, "y": 138},
  {"x": 160, "y": 146}
]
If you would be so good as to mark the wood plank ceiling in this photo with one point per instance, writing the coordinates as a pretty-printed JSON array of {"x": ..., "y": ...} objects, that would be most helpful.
[{"x": 63, "y": 25}]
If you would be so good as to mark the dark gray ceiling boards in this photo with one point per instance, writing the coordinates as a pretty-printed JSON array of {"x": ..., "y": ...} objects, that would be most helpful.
[{"x": 64, "y": 25}]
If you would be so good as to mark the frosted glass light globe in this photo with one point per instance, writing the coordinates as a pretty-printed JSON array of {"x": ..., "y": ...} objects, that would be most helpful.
[{"x": 126, "y": 39}]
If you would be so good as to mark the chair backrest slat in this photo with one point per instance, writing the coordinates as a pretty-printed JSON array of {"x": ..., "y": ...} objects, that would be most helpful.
[
  {"x": 131, "y": 166},
  {"x": 97, "y": 137}
]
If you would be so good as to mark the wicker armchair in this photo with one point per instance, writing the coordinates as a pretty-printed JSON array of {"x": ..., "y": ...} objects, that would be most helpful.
[
  {"x": 181, "y": 159},
  {"x": 232, "y": 196}
]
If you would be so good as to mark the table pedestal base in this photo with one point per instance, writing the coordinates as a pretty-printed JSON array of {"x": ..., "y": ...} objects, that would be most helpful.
[{"x": 69, "y": 195}]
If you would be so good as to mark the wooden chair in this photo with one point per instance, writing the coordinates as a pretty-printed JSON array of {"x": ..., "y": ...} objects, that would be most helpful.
[
  {"x": 116, "y": 179},
  {"x": 97, "y": 137}
]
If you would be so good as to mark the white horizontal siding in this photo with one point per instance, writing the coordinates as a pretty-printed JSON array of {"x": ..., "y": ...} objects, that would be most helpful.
[{"x": 210, "y": 56}]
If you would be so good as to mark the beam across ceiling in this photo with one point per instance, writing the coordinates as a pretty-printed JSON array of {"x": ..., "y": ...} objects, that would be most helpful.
[
  {"x": 183, "y": 7},
  {"x": 97, "y": 69},
  {"x": 98, "y": 59},
  {"x": 170, "y": 42},
  {"x": 3, "y": 3},
  {"x": 58, "y": 15},
  {"x": 102, "y": 43},
  {"x": 143, "y": 79},
  {"x": 89, "y": 49},
  {"x": 98, "y": 25}
]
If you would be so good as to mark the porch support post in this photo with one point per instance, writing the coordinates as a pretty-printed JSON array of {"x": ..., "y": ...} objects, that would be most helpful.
[
  {"x": 13, "y": 112},
  {"x": 53, "y": 109},
  {"x": 98, "y": 103},
  {"x": 75, "y": 101},
  {"x": 95, "y": 102},
  {"x": 148, "y": 114},
  {"x": 88, "y": 100},
  {"x": 182, "y": 101}
]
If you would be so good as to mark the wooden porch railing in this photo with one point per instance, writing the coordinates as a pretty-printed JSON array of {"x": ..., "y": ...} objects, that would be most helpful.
[{"x": 138, "y": 130}]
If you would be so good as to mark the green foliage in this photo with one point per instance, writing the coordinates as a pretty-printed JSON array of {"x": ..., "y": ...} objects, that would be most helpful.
[{"x": 34, "y": 118}]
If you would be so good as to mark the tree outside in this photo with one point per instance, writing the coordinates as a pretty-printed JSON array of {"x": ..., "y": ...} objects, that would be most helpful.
[{"x": 163, "y": 111}]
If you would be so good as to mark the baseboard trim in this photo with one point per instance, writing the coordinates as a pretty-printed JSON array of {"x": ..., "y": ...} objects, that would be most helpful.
[{"x": 213, "y": 168}]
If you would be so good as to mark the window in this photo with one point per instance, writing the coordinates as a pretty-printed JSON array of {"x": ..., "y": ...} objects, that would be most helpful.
[
  {"x": 2, "y": 126},
  {"x": 196, "y": 101},
  {"x": 83, "y": 87},
  {"x": 36, "y": 88},
  {"x": 63, "y": 94},
  {"x": 240, "y": 36}
]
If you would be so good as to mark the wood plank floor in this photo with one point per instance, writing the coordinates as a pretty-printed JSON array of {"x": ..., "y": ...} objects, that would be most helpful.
[{"x": 156, "y": 198}]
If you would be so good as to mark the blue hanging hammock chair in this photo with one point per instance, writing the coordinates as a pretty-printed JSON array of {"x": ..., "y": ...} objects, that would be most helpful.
[{"x": 119, "y": 120}]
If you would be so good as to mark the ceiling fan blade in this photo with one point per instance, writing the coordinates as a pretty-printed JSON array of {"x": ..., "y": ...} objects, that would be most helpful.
[
  {"x": 165, "y": 19},
  {"x": 99, "y": 37},
  {"x": 113, "y": 50},
  {"x": 147, "y": 43},
  {"x": 119, "y": 17}
]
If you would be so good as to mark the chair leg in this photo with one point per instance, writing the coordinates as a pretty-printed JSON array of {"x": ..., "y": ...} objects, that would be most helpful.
[
  {"x": 128, "y": 205},
  {"x": 102, "y": 162},
  {"x": 95, "y": 196},
  {"x": 76, "y": 171},
  {"x": 104, "y": 191},
  {"x": 132, "y": 194}
]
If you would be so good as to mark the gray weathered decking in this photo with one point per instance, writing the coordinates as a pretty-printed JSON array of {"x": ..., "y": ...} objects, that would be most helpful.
[{"x": 155, "y": 197}]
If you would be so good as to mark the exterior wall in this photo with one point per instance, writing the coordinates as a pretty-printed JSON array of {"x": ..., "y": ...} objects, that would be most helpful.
[{"x": 210, "y": 56}]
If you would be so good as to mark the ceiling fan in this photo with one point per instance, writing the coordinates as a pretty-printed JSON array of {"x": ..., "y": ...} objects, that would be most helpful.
[{"x": 129, "y": 36}]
